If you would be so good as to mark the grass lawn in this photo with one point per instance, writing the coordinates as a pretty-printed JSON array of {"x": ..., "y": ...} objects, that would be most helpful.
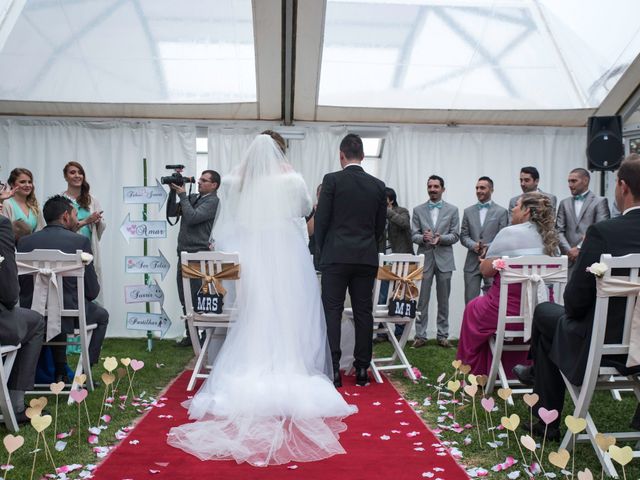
[
  {"x": 162, "y": 364},
  {"x": 433, "y": 360}
]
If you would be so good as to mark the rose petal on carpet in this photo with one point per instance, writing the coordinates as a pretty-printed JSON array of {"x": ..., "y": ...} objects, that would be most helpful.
[{"x": 384, "y": 440}]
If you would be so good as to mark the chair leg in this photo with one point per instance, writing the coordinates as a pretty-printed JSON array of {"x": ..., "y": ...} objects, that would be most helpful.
[
  {"x": 201, "y": 359},
  {"x": 5, "y": 400},
  {"x": 193, "y": 335},
  {"x": 399, "y": 352},
  {"x": 496, "y": 353}
]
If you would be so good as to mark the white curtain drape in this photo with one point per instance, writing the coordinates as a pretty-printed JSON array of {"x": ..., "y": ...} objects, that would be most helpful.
[
  {"x": 462, "y": 154},
  {"x": 111, "y": 153}
]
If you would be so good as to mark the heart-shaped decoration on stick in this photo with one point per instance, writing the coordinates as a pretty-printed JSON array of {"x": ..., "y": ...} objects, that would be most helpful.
[
  {"x": 125, "y": 361},
  {"x": 121, "y": 372},
  {"x": 575, "y": 424},
  {"x": 585, "y": 474},
  {"x": 12, "y": 443},
  {"x": 40, "y": 423},
  {"x": 530, "y": 399},
  {"x": 56, "y": 387},
  {"x": 108, "y": 378},
  {"x": 605, "y": 441},
  {"x": 528, "y": 443},
  {"x": 110, "y": 364},
  {"x": 481, "y": 379},
  {"x": 547, "y": 416},
  {"x": 136, "y": 365},
  {"x": 464, "y": 369},
  {"x": 621, "y": 455},
  {"x": 471, "y": 379},
  {"x": 31, "y": 412},
  {"x": 511, "y": 422},
  {"x": 80, "y": 379},
  {"x": 453, "y": 385},
  {"x": 471, "y": 390},
  {"x": 78, "y": 395},
  {"x": 504, "y": 393},
  {"x": 559, "y": 458},
  {"x": 39, "y": 402},
  {"x": 488, "y": 403}
]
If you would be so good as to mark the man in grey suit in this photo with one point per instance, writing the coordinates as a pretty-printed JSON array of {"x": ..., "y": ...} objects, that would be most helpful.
[
  {"x": 480, "y": 224},
  {"x": 577, "y": 212},
  {"x": 529, "y": 179},
  {"x": 435, "y": 225},
  {"x": 17, "y": 325}
]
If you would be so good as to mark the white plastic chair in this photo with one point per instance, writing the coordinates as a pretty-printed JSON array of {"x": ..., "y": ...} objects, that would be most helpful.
[
  {"x": 546, "y": 268},
  {"x": 63, "y": 266},
  {"x": 7, "y": 357},
  {"x": 601, "y": 377},
  {"x": 400, "y": 264},
  {"x": 212, "y": 263}
]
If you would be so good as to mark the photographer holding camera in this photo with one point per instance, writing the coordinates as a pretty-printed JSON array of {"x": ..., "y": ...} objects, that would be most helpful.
[{"x": 198, "y": 212}]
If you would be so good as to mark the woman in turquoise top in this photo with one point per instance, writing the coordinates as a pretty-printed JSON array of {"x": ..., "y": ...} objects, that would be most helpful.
[{"x": 23, "y": 205}]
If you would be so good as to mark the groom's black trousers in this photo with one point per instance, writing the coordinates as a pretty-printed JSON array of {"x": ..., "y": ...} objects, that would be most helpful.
[{"x": 359, "y": 279}]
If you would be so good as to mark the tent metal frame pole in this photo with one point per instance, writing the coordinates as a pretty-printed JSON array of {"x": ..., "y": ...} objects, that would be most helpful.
[{"x": 289, "y": 8}]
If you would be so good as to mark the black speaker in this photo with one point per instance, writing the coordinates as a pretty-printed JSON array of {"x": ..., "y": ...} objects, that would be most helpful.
[{"x": 605, "y": 149}]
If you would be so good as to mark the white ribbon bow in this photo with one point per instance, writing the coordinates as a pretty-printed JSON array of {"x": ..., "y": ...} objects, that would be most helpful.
[
  {"x": 45, "y": 293},
  {"x": 534, "y": 290},
  {"x": 617, "y": 287}
]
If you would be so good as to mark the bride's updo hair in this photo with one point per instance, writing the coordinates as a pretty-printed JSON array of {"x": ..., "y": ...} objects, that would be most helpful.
[{"x": 541, "y": 214}]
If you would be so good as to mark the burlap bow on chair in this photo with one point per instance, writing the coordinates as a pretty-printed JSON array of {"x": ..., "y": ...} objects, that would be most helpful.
[
  {"x": 46, "y": 297},
  {"x": 228, "y": 272},
  {"x": 534, "y": 290},
  {"x": 617, "y": 287},
  {"x": 408, "y": 282}
]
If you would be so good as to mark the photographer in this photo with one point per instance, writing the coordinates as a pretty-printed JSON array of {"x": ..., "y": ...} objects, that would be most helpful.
[{"x": 197, "y": 212}]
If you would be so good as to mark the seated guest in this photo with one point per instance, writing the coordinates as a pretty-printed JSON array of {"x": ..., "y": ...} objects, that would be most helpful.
[
  {"x": 20, "y": 203},
  {"x": 20, "y": 229},
  {"x": 17, "y": 325},
  {"x": 532, "y": 233},
  {"x": 59, "y": 234},
  {"x": 561, "y": 336}
]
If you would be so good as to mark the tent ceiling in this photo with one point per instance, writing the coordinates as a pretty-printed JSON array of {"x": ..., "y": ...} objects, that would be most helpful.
[{"x": 535, "y": 62}]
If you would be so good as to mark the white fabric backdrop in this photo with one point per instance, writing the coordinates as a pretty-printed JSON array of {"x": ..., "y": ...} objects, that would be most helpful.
[{"x": 111, "y": 153}]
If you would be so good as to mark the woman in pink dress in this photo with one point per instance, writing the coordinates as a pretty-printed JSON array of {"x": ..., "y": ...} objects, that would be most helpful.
[{"x": 532, "y": 233}]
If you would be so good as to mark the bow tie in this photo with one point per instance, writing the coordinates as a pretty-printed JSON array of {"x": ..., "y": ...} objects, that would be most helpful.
[
  {"x": 580, "y": 196},
  {"x": 432, "y": 205},
  {"x": 483, "y": 205}
]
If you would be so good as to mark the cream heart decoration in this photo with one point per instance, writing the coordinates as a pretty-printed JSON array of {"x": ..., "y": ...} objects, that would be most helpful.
[
  {"x": 80, "y": 379},
  {"x": 456, "y": 364},
  {"x": 40, "y": 423},
  {"x": 559, "y": 458},
  {"x": 510, "y": 423},
  {"x": 12, "y": 443},
  {"x": 39, "y": 402},
  {"x": 471, "y": 390},
  {"x": 531, "y": 399},
  {"x": 472, "y": 379},
  {"x": 56, "y": 387},
  {"x": 585, "y": 475},
  {"x": 481, "y": 379},
  {"x": 575, "y": 424},
  {"x": 504, "y": 393},
  {"x": 108, "y": 378},
  {"x": 464, "y": 369},
  {"x": 605, "y": 441},
  {"x": 125, "y": 361},
  {"x": 453, "y": 385},
  {"x": 621, "y": 455},
  {"x": 528, "y": 443},
  {"x": 32, "y": 412},
  {"x": 110, "y": 364}
]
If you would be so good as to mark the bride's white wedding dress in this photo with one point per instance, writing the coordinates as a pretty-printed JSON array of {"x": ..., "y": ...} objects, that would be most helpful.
[{"x": 269, "y": 398}]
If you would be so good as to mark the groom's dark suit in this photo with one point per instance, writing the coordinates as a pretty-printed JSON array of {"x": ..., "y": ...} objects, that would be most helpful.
[{"x": 349, "y": 220}]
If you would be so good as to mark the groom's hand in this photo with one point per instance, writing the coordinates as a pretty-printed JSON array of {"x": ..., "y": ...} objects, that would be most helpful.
[{"x": 427, "y": 237}]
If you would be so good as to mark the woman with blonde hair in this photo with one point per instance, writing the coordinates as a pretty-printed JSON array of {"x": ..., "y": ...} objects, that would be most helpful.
[
  {"x": 90, "y": 221},
  {"x": 532, "y": 233},
  {"x": 22, "y": 203}
]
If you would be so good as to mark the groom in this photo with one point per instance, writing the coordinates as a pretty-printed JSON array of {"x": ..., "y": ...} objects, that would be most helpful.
[{"x": 349, "y": 220}]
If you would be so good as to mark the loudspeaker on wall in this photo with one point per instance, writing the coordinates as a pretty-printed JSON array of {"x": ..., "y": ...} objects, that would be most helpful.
[{"x": 605, "y": 149}]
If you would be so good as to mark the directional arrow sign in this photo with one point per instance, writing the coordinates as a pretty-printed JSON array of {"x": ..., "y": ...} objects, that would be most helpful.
[
  {"x": 147, "y": 264},
  {"x": 149, "y": 321},
  {"x": 143, "y": 293},
  {"x": 148, "y": 229},
  {"x": 155, "y": 194}
]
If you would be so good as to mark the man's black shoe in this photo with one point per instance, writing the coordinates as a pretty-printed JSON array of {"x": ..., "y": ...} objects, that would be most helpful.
[
  {"x": 185, "y": 342},
  {"x": 524, "y": 374},
  {"x": 62, "y": 377},
  {"x": 21, "y": 418},
  {"x": 362, "y": 379},
  {"x": 553, "y": 432},
  {"x": 635, "y": 421},
  {"x": 337, "y": 379}
]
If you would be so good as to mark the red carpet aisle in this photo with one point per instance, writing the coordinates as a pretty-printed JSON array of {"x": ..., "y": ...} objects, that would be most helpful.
[{"x": 384, "y": 440}]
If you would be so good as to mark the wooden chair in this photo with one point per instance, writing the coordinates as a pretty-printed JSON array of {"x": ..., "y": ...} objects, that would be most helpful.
[
  {"x": 210, "y": 263},
  {"x": 7, "y": 357},
  {"x": 602, "y": 373},
  {"x": 50, "y": 264},
  {"x": 401, "y": 265},
  {"x": 520, "y": 270}
]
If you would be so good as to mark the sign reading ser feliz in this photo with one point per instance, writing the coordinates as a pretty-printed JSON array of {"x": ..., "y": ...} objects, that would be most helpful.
[{"x": 146, "y": 264}]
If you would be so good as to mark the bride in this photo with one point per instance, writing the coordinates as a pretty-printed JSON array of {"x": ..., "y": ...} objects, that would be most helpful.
[{"x": 269, "y": 399}]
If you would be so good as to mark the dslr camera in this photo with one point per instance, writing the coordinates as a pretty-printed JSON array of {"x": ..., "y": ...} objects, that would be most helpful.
[{"x": 176, "y": 177}]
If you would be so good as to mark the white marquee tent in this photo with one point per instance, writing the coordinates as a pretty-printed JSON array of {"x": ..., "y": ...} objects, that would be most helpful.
[{"x": 460, "y": 88}]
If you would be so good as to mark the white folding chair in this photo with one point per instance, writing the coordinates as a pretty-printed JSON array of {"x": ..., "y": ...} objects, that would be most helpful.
[
  {"x": 59, "y": 265},
  {"x": 603, "y": 377},
  {"x": 526, "y": 271},
  {"x": 401, "y": 265},
  {"x": 209, "y": 263},
  {"x": 7, "y": 357}
]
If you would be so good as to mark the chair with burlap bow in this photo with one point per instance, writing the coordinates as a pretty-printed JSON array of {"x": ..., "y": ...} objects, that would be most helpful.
[
  {"x": 606, "y": 369},
  {"x": 534, "y": 273},
  {"x": 211, "y": 268},
  {"x": 403, "y": 271},
  {"x": 49, "y": 268}
]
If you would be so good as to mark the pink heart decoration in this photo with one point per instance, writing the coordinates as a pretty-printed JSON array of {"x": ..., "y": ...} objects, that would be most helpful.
[
  {"x": 78, "y": 395},
  {"x": 488, "y": 403},
  {"x": 136, "y": 364},
  {"x": 547, "y": 416}
]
